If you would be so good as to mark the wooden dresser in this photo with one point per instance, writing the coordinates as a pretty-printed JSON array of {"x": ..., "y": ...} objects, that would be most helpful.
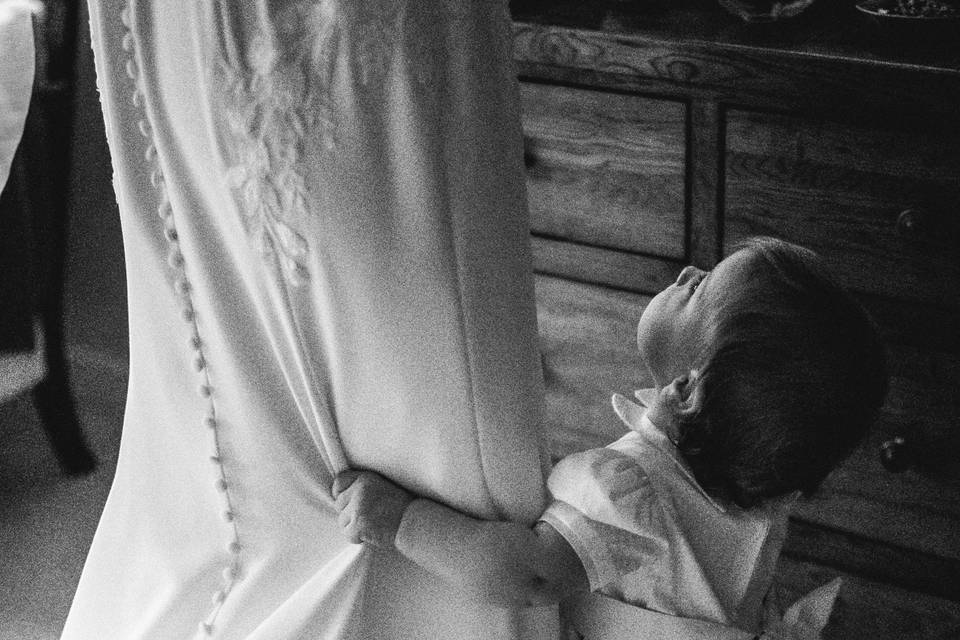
[{"x": 660, "y": 134}]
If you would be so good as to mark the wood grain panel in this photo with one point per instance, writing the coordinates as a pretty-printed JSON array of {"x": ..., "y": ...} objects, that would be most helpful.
[
  {"x": 706, "y": 182},
  {"x": 588, "y": 347},
  {"x": 831, "y": 86},
  {"x": 893, "y": 152},
  {"x": 620, "y": 270},
  {"x": 841, "y": 191},
  {"x": 606, "y": 169}
]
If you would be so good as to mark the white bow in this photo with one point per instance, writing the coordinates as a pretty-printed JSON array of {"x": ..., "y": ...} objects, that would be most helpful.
[{"x": 806, "y": 618}]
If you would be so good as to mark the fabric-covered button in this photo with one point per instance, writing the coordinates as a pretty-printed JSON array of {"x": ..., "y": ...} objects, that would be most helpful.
[
  {"x": 183, "y": 289},
  {"x": 232, "y": 573},
  {"x": 164, "y": 210}
]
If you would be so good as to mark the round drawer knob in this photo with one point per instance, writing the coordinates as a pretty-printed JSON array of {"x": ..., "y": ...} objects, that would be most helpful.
[
  {"x": 911, "y": 222},
  {"x": 896, "y": 455}
]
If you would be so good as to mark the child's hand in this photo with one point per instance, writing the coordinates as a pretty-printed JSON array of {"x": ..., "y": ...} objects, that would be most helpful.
[{"x": 370, "y": 507}]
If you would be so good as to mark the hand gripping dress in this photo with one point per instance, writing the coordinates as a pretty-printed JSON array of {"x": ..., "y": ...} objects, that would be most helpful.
[{"x": 328, "y": 266}]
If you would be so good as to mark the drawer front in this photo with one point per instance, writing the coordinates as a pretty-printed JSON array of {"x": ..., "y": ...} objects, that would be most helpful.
[
  {"x": 881, "y": 206},
  {"x": 606, "y": 169},
  {"x": 588, "y": 348},
  {"x": 587, "y": 336},
  {"x": 917, "y": 503}
]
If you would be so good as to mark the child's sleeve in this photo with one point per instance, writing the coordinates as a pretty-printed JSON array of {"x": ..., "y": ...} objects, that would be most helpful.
[{"x": 606, "y": 507}]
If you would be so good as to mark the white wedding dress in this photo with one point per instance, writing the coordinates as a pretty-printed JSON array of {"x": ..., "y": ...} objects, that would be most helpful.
[{"x": 327, "y": 267}]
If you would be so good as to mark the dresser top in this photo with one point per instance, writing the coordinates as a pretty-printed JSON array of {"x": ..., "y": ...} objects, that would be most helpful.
[{"x": 829, "y": 29}]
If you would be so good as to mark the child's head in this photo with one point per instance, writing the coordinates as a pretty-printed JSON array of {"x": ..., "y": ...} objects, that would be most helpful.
[{"x": 777, "y": 371}]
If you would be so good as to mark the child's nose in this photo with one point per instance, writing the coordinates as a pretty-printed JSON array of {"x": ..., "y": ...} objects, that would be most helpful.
[{"x": 687, "y": 273}]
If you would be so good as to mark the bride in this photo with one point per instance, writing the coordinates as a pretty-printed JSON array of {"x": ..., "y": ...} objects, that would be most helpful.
[{"x": 328, "y": 267}]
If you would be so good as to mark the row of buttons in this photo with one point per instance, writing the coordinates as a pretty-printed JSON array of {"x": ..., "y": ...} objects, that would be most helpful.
[{"x": 175, "y": 259}]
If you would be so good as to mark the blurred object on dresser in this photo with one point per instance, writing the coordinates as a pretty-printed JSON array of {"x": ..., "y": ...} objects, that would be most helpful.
[
  {"x": 765, "y": 10},
  {"x": 914, "y": 20}
]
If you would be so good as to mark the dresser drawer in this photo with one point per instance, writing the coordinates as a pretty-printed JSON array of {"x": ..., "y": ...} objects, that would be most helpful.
[
  {"x": 881, "y": 206},
  {"x": 588, "y": 349},
  {"x": 606, "y": 169},
  {"x": 915, "y": 503}
]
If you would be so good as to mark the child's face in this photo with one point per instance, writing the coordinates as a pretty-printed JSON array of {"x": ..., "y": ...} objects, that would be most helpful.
[{"x": 674, "y": 328}]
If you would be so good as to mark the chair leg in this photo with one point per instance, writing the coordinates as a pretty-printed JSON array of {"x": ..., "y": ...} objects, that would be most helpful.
[
  {"x": 55, "y": 406},
  {"x": 52, "y": 397},
  {"x": 47, "y": 134}
]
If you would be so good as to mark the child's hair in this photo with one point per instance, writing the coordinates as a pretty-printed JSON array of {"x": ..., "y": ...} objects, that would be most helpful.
[{"x": 793, "y": 378}]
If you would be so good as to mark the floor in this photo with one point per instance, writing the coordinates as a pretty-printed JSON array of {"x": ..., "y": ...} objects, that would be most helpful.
[{"x": 47, "y": 520}]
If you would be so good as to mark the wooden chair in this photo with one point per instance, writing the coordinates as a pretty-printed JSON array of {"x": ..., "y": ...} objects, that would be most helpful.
[{"x": 33, "y": 222}]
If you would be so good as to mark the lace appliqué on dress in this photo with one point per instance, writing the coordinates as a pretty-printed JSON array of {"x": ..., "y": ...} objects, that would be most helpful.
[{"x": 276, "y": 79}]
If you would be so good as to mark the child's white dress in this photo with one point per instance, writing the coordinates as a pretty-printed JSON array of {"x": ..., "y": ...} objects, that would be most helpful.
[{"x": 649, "y": 536}]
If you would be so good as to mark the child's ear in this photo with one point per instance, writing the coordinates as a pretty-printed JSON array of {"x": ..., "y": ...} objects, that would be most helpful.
[
  {"x": 678, "y": 401},
  {"x": 690, "y": 394}
]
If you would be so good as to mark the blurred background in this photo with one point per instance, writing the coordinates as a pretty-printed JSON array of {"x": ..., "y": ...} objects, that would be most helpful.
[{"x": 63, "y": 288}]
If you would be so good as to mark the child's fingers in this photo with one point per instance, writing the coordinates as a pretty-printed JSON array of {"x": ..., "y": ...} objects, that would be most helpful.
[
  {"x": 343, "y": 481},
  {"x": 349, "y": 525},
  {"x": 351, "y": 534}
]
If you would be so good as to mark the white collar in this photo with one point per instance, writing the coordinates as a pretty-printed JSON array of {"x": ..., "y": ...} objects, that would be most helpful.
[{"x": 635, "y": 417}]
